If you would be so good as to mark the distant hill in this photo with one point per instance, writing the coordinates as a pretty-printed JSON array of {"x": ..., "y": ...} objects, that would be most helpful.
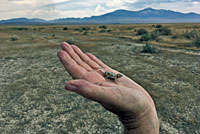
[
  {"x": 147, "y": 15},
  {"x": 23, "y": 21}
]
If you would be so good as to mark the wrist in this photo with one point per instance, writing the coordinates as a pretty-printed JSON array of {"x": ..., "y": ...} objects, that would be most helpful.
[{"x": 144, "y": 123}]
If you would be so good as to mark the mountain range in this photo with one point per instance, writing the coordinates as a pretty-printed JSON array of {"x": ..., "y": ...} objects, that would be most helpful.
[{"x": 147, "y": 15}]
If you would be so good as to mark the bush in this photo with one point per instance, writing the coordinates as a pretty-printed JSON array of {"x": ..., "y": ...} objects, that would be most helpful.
[
  {"x": 146, "y": 37},
  {"x": 102, "y": 31},
  {"x": 69, "y": 42},
  {"x": 109, "y": 30},
  {"x": 149, "y": 37},
  {"x": 159, "y": 26},
  {"x": 154, "y": 35},
  {"x": 142, "y": 31},
  {"x": 166, "y": 31},
  {"x": 196, "y": 42},
  {"x": 65, "y": 28},
  {"x": 20, "y": 28},
  {"x": 148, "y": 49},
  {"x": 85, "y": 33},
  {"x": 14, "y": 38},
  {"x": 76, "y": 29},
  {"x": 103, "y": 27},
  {"x": 129, "y": 28},
  {"x": 174, "y": 37},
  {"x": 85, "y": 28},
  {"x": 191, "y": 35},
  {"x": 163, "y": 31}
]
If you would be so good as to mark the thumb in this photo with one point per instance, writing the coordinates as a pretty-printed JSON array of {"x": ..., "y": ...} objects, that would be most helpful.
[{"x": 88, "y": 90}]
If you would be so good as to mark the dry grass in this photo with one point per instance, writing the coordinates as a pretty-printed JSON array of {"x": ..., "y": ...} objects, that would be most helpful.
[{"x": 32, "y": 78}]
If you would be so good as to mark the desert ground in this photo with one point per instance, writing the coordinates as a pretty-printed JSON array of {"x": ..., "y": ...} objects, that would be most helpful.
[{"x": 32, "y": 95}]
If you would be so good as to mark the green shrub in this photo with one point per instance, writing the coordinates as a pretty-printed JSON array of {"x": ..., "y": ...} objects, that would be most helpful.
[
  {"x": 148, "y": 49},
  {"x": 14, "y": 38},
  {"x": 191, "y": 35},
  {"x": 41, "y": 28},
  {"x": 69, "y": 42},
  {"x": 20, "y": 28},
  {"x": 76, "y": 29},
  {"x": 174, "y": 37},
  {"x": 196, "y": 42},
  {"x": 102, "y": 31},
  {"x": 109, "y": 30},
  {"x": 85, "y": 28},
  {"x": 85, "y": 33},
  {"x": 146, "y": 37},
  {"x": 154, "y": 35},
  {"x": 65, "y": 28},
  {"x": 149, "y": 36},
  {"x": 159, "y": 26},
  {"x": 103, "y": 27},
  {"x": 142, "y": 31},
  {"x": 129, "y": 28},
  {"x": 166, "y": 31},
  {"x": 163, "y": 31}
]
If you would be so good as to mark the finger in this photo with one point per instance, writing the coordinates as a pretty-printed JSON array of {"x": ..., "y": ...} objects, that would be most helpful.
[
  {"x": 66, "y": 47},
  {"x": 71, "y": 66},
  {"x": 85, "y": 58},
  {"x": 89, "y": 90},
  {"x": 95, "y": 59}
]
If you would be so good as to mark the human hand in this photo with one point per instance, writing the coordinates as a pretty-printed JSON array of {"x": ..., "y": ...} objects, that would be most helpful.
[{"x": 128, "y": 100}]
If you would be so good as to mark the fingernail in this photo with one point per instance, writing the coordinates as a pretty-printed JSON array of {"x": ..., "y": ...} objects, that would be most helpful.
[
  {"x": 60, "y": 54},
  {"x": 71, "y": 87}
]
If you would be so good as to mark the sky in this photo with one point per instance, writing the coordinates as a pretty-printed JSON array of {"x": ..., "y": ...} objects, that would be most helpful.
[{"x": 53, "y": 9}]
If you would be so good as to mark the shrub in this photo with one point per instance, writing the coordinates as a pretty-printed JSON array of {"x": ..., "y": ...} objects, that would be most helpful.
[
  {"x": 166, "y": 31},
  {"x": 41, "y": 28},
  {"x": 20, "y": 28},
  {"x": 163, "y": 31},
  {"x": 146, "y": 37},
  {"x": 191, "y": 35},
  {"x": 102, "y": 31},
  {"x": 129, "y": 28},
  {"x": 65, "y": 28},
  {"x": 69, "y": 42},
  {"x": 196, "y": 42},
  {"x": 76, "y": 29},
  {"x": 174, "y": 37},
  {"x": 154, "y": 35},
  {"x": 149, "y": 37},
  {"x": 159, "y": 26},
  {"x": 14, "y": 38},
  {"x": 85, "y": 28},
  {"x": 109, "y": 31},
  {"x": 103, "y": 27},
  {"x": 148, "y": 49},
  {"x": 142, "y": 31},
  {"x": 85, "y": 33}
]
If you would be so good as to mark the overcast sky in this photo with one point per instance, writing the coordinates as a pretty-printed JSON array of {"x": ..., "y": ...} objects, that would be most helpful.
[{"x": 52, "y": 9}]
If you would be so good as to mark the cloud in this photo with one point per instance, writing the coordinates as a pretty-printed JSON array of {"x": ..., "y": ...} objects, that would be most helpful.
[
  {"x": 50, "y": 9},
  {"x": 99, "y": 8},
  {"x": 114, "y": 3}
]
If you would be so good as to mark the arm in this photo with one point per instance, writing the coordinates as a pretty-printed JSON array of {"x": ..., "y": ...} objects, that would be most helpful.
[{"x": 125, "y": 98}]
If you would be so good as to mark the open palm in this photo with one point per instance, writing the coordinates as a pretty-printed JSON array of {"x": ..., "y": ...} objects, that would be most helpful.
[{"x": 123, "y": 96}]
